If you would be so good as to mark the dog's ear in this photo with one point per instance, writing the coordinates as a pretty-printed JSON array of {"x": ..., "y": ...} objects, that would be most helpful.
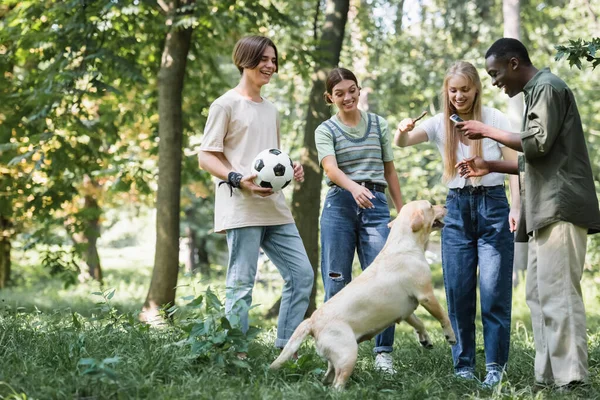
[{"x": 417, "y": 220}]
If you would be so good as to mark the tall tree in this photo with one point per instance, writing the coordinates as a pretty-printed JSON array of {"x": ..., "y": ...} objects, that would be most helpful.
[
  {"x": 511, "y": 11},
  {"x": 86, "y": 237},
  {"x": 5, "y": 247},
  {"x": 306, "y": 197},
  {"x": 170, "y": 130},
  {"x": 59, "y": 120}
]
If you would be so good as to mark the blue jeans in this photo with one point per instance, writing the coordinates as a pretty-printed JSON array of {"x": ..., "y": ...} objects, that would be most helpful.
[
  {"x": 284, "y": 247},
  {"x": 476, "y": 232},
  {"x": 346, "y": 228}
]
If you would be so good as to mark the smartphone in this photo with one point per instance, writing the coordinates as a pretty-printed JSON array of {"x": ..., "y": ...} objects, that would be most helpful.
[{"x": 456, "y": 119}]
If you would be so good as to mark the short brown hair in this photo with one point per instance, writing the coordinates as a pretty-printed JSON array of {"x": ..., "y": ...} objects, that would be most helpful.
[
  {"x": 248, "y": 52},
  {"x": 334, "y": 77}
]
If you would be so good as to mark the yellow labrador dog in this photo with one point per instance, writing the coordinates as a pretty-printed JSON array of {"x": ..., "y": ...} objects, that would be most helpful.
[{"x": 388, "y": 291}]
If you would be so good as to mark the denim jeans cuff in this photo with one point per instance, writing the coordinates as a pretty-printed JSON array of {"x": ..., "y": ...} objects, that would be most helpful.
[
  {"x": 383, "y": 349},
  {"x": 494, "y": 367},
  {"x": 280, "y": 343}
]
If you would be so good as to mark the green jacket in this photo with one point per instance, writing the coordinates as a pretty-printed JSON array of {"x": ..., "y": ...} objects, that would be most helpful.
[{"x": 555, "y": 166}]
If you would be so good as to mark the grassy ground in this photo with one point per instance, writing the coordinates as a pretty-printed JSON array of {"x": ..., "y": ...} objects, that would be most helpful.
[{"x": 60, "y": 343}]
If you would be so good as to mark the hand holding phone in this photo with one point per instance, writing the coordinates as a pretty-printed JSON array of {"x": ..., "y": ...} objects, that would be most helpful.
[
  {"x": 456, "y": 119},
  {"x": 471, "y": 129}
]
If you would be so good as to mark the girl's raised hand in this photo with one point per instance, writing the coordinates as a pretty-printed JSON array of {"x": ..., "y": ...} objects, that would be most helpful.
[{"x": 408, "y": 124}]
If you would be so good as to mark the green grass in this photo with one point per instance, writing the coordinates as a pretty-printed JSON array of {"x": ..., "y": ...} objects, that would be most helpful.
[{"x": 42, "y": 347}]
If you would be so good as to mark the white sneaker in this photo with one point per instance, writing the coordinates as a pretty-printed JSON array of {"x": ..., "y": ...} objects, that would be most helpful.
[
  {"x": 385, "y": 363},
  {"x": 492, "y": 378},
  {"x": 465, "y": 374}
]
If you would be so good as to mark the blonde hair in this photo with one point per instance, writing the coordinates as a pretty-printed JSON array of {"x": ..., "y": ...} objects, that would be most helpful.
[{"x": 467, "y": 71}]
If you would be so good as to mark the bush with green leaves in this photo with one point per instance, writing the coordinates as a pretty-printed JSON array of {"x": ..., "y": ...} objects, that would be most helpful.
[{"x": 214, "y": 335}]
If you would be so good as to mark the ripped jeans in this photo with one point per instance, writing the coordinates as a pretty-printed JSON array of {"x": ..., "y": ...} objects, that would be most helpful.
[{"x": 346, "y": 228}]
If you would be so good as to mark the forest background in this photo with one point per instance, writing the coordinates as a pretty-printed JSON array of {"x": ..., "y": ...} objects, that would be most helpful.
[{"x": 102, "y": 112}]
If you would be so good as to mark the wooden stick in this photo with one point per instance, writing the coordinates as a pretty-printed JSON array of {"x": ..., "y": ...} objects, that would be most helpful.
[{"x": 424, "y": 113}]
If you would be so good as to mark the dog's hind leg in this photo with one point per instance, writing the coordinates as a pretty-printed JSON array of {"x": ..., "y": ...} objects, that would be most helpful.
[
  {"x": 421, "y": 332},
  {"x": 430, "y": 303},
  {"x": 344, "y": 361},
  {"x": 338, "y": 345},
  {"x": 329, "y": 375}
]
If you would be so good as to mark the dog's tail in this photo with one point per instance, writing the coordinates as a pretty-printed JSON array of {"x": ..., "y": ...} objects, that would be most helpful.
[{"x": 292, "y": 346}]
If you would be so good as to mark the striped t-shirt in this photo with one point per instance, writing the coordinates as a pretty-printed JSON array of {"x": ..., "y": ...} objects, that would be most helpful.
[{"x": 360, "y": 151}]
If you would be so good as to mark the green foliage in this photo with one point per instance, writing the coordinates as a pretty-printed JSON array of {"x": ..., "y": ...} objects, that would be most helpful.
[
  {"x": 579, "y": 49},
  {"x": 110, "y": 317},
  {"x": 67, "y": 354},
  {"x": 214, "y": 336},
  {"x": 99, "y": 368},
  {"x": 7, "y": 392},
  {"x": 67, "y": 68},
  {"x": 62, "y": 264}
]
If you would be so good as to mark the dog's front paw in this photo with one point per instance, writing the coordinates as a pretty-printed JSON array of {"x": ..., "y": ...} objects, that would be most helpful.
[
  {"x": 424, "y": 339},
  {"x": 449, "y": 333}
]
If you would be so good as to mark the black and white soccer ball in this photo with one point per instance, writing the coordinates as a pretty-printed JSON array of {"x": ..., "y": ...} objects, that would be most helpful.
[{"x": 273, "y": 168}]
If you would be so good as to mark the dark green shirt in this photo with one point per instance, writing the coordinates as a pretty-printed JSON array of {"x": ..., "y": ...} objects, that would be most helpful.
[{"x": 555, "y": 166}]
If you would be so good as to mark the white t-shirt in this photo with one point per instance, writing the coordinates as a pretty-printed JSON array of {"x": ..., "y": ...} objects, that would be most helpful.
[
  {"x": 491, "y": 150},
  {"x": 240, "y": 129}
]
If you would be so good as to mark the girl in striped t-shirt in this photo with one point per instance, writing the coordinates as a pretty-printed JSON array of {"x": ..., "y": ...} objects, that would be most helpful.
[{"x": 355, "y": 150}]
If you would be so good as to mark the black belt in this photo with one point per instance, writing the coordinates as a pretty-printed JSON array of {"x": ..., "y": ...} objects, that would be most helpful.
[
  {"x": 476, "y": 189},
  {"x": 373, "y": 186}
]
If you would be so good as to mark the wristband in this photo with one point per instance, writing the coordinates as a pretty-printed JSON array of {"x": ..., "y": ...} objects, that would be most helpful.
[{"x": 233, "y": 181}]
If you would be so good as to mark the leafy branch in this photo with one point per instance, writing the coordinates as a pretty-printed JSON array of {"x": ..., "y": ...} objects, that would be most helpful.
[{"x": 579, "y": 49}]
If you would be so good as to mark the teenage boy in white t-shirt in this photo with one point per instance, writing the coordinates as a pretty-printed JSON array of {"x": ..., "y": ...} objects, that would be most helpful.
[{"x": 241, "y": 123}]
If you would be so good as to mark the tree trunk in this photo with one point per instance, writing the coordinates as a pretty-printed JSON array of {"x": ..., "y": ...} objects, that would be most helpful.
[
  {"x": 5, "y": 247},
  {"x": 512, "y": 29},
  {"x": 170, "y": 88},
  {"x": 190, "y": 260},
  {"x": 91, "y": 234},
  {"x": 203, "y": 261},
  {"x": 86, "y": 239},
  {"x": 399, "y": 15},
  {"x": 306, "y": 197}
]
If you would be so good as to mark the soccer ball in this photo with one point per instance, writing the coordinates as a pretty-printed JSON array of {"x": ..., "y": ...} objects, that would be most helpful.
[{"x": 273, "y": 168}]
